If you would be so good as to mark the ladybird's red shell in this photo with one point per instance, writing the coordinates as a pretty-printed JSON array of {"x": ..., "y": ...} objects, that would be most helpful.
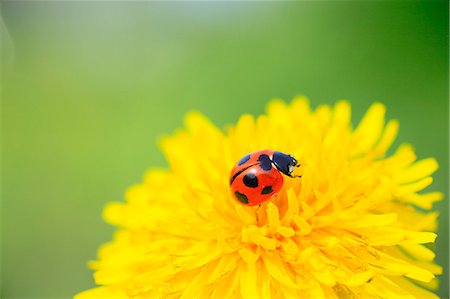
[{"x": 254, "y": 179}]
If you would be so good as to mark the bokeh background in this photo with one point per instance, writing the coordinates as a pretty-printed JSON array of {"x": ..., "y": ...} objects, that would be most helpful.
[{"x": 87, "y": 88}]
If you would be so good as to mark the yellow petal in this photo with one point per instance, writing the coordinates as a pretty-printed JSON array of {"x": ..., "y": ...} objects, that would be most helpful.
[
  {"x": 226, "y": 265},
  {"x": 322, "y": 200},
  {"x": 412, "y": 288},
  {"x": 226, "y": 288},
  {"x": 388, "y": 265},
  {"x": 243, "y": 131},
  {"x": 323, "y": 116},
  {"x": 263, "y": 281},
  {"x": 273, "y": 216},
  {"x": 325, "y": 277},
  {"x": 384, "y": 236},
  {"x": 187, "y": 260},
  {"x": 137, "y": 194},
  {"x": 388, "y": 137},
  {"x": 424, "y": 201},
  {"x": 402, "y": 157},
  {"x": 314, "y": 290},
  {"x": 289, "y": 247},
  {"x": 248, "y": 278},
  {"x": 359, "y": 278},
  {"x": 106, "y": 292},
  {"x": 293, "y": 207},
  {"x": 419, "y": 252},
  {"x": 300, "y": 106},
  {"x": 307, "y": 212},
  {"x": 384, "y": 288},
  {"x": 196, "y": 286},
  {"x": 268, "y": 243},
  {"x": 246, "y": 214},
  {"x": 248, "y": 255},
  {"x": 342, "y": 113},
  {"x": 413, "y": 187},
  {"x": 277, "y": 270},
  {"x": 286, "y": 232},
  {"x": 277, "y": 111},
  {"x": 423, "y": 264},
  {"x": 114, "y": 213},
  {"x": 367, "y": 220},
  {"x": 304, "y": 228},
  {"x": 370, "y": 128},
  {"x": 306, "y": 253},
  {"x": 417, "y": 171}
]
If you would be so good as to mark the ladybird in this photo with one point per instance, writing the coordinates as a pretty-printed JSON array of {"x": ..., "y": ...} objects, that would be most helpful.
[{"x": 258, "y": 176}]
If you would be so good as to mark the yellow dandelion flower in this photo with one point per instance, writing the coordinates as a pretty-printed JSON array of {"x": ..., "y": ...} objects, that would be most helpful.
[{"x": 355, "y": 225}]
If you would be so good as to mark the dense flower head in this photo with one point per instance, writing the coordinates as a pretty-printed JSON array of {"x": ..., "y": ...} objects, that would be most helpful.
[{"x": 355, "y": 225}]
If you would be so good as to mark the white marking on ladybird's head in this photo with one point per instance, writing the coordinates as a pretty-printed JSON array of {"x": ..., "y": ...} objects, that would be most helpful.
[{"x": 291, "y": 169}]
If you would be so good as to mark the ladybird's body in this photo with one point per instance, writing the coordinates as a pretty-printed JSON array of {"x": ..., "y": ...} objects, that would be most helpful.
[{"x": 258, "y": 176}]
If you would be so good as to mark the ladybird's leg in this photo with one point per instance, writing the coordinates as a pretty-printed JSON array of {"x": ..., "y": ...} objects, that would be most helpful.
[
  {"x": 260, "y": 213},
  {"x": 257, "y": 213},
  {"x": 296, "y": 176}
]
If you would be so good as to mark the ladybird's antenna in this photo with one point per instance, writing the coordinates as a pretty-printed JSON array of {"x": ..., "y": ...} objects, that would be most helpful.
[{"x": 257, "y": 213}]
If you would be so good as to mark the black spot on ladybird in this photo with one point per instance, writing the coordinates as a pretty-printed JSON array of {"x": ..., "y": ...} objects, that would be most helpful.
[
  {"x": 267, "y": 190},
  {"x": 241, "y": 197},
  {"x": 243, "y": 160},
  {"x": 266, "y": 163},
  {"x": 250, "y": 180}
]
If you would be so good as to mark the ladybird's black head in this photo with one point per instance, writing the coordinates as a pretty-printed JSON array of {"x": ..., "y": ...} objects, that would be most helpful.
[{"x": 284, "y": 163}]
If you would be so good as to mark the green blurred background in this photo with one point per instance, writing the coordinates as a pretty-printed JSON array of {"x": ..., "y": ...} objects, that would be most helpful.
[{"x": 88, "y": 87}]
